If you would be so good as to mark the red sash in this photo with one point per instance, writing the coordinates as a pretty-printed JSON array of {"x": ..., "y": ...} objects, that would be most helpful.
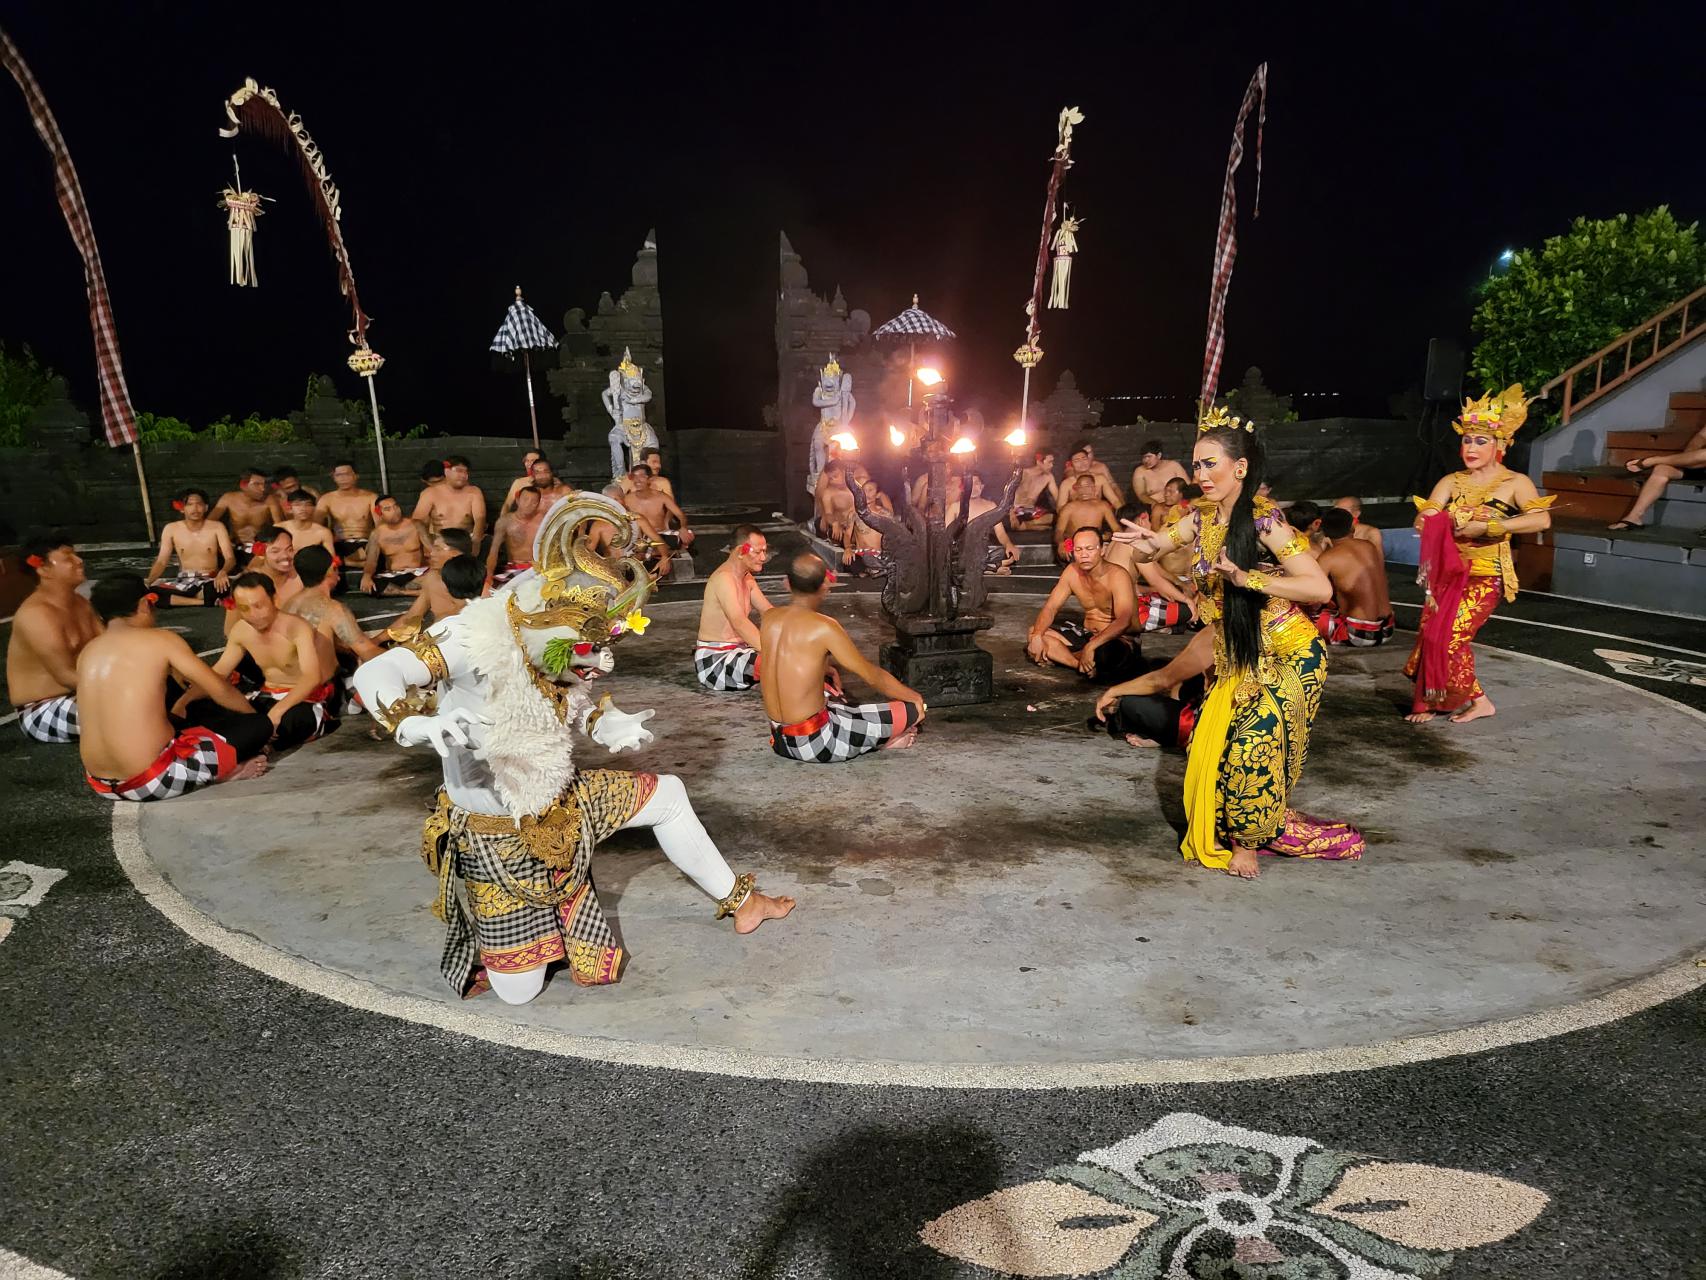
[{"x": 1444, "y": 575}]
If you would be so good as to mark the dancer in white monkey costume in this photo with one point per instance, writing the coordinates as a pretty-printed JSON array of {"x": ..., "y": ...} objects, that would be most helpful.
[{"x": 498, "y": 691}]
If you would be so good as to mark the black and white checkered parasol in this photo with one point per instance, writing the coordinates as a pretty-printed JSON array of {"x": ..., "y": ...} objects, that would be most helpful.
[
  {"x": 522, "y": 330},
  {"x": 913, "y": 323}
]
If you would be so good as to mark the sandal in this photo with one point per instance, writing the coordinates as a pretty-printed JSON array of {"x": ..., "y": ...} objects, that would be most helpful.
[{"x": 1620, "y": 526}]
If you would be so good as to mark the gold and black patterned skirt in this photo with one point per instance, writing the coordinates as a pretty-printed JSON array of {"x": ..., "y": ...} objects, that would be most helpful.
[{"x": 513, "y": 897}]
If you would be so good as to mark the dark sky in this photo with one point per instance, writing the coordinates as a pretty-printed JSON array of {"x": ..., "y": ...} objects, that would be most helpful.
[{"x": 902, "y": 149}]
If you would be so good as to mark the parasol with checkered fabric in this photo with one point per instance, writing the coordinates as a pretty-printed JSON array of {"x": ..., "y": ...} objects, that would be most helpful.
[
  {"x": 524, "y": 332},
  {"x": 912, "y": 324}
]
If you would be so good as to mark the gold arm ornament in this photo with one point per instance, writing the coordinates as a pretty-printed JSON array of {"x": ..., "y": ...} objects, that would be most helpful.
[
  {"x": 1426, "y": 506},
  {"x": 1295, "y": 545},
  {"x": 1255, "y": 581}
]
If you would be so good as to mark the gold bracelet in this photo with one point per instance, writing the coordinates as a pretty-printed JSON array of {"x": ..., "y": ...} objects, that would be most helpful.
[
  {"x": 604, "y": 705},
  {"x": 1254, "y": 581},
  {"x": 1495, "y": 529}
]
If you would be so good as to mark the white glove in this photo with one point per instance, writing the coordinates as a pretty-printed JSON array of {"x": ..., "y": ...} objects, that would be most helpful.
[
  {"x": 618, "y": 730},
  {"x": 441, "y": 731}
]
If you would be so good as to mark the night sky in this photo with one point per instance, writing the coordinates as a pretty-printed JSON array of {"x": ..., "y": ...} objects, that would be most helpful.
[{"x": 902, "y": 149}]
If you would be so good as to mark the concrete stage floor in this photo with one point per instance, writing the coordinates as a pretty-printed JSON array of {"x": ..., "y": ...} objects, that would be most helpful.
[{"x": 1004, "y": 904}]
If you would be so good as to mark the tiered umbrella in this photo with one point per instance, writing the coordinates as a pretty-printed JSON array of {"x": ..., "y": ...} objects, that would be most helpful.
[
  {"x": 524, "y": 332},
  {"x": 912, "y": 324}
]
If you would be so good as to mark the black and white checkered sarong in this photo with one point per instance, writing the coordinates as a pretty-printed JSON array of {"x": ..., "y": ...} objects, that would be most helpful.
[
  {"x": 51, "y": 719},
  {"x": 725, "y": 666},
  {"x": 194, "y": 759},
  {"x": 1155, "y": 611},
  {"x": 842, "y": 731}
]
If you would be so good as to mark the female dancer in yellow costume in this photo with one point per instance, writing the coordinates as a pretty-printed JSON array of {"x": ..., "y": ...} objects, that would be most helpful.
[{"x": 1251, "y": 738}]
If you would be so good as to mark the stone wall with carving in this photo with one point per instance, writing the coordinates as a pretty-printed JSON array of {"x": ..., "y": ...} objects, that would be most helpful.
[{"x": 592, "y": 346}]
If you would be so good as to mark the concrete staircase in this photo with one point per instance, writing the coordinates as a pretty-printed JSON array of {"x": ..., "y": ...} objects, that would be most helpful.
[{"x": 1662, "y": 566}]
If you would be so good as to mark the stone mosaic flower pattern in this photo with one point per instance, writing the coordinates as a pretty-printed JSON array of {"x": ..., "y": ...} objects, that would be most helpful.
[
  {"x": 1190, "y": 1198},
  {"x": 1647, "y": 666}
]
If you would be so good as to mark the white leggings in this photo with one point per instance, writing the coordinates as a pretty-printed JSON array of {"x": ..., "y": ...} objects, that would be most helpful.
[{"x": 683, "y": 839}]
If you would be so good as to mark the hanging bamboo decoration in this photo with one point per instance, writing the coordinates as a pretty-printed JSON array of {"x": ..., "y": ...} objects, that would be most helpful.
[
  {"x": 1065, "y": 245},
  {"x": 241, "y": 208}
]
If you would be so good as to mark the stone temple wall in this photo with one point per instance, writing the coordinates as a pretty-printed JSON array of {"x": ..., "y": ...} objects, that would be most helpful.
[{"x": 592, "y": 347}]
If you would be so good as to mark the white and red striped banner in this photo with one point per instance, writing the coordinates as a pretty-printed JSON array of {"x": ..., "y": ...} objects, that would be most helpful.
[
  {"x": 117, "y": 415},
  {"x": 1226, "y": 242}
]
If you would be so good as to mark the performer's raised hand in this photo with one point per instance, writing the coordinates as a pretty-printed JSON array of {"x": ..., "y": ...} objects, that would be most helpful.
[
  {"x": 440, "y": 732},
  {"x": 1134, "y": 534},
  {"x": 619, "y": 730}
]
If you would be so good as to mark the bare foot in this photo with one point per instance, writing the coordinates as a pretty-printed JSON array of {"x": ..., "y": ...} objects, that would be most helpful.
[
  {"x": 1636, "y": 465},
  {"x": 253, "y": 767},
  {"x": 1422, "y": 717},
  {"x": 1476, "y": 710},
  {"x": 1004, "y": 571},
  {"x": 1243, "y": 864},
  {"x": 904, "y": 741},
  {"x": 758, "y": 908},
  {"x": 1136, "y": 740}
]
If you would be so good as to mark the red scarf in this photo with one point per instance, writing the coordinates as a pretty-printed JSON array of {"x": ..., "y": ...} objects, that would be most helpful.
[{"x": 1444, "y": 575}]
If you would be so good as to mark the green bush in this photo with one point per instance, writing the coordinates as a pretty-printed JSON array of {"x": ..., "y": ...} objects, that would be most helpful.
[
  {"x": 253, "y": 429},
  {"x": 155, "y": 428},
  {"x": 25, "y": 383},
  {"x": 1581, "y": 290}
]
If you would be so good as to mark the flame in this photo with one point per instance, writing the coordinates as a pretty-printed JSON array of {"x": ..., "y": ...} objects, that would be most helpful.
[
  {"x": 963, "y": 445},
  {"x": 897, "y": 437},
  {"x": 930, "y": 376},
  {"x": 1015, "y": 437},
  {"x": 846, "y": 441}
]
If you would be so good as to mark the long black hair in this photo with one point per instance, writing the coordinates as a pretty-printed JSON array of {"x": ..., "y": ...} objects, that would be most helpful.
[{"x": 1241, "y": 608}]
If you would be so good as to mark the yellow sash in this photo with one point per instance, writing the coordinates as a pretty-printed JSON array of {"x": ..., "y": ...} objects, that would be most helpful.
[{"x": 1202, "y": 777}]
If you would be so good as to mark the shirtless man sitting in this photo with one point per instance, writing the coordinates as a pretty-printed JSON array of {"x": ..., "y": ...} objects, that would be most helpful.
[
  {"x": 725, "y": 656},
  {"x": 348, "y": 512},
  {"x": 331, "y": 618},
  {"x": 304, "y": 530},
  {"x": 1360, "y": 531},
  {"x": 396, "y": 554},
  {"x": 1001, "y": 555},
  {"x": 862, "y": 552},
  {"x": 246, "y": 507},
  {"x": 514, "y": 535},
  {"x": 1084, "y": 509},
  {"x": 131, "y": 750},
  {"x": 528, "y": 458},
  {"x": 206, "y": 559},
  {"x": 48, "y": 632},
  {"x": 455, "y": 504},
  {"x": 296, "y": 670},
  {"x": 1175, "y": 562},
  {"x": 1038, "y": 495},
  {"x": 1172, "y": 506},
  {"x": 654, "y": 461},
  {"x": 286, "y": 485},
  {"x": 1360, "y": 613},
  {"x": 1160, "y": 601},
  {"x": 799, "y": 643},
  {"x": 1149, "y": 478},
  {"x": 545, "y": 480},
  {"x": 435, "y": 597},
  {"x": 1082, "y": 462},
  {"x": 834, "y": 502},
  {"x": 659, "y": 509},
  {"x": 1100, "y": 646}
]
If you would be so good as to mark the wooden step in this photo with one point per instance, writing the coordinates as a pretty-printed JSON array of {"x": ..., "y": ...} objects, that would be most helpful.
[
  {"x": 1609, "y": 480},
  {"x": 1601, "y": 507},
  {"x": 1665, "y": 441},
  {"x": 1688, "y": 399},
  {"x": 1689, "y": 420}
]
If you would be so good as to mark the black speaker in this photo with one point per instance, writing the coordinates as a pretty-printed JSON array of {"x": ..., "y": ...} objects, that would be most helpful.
[{"x": 1444, "y": 380}]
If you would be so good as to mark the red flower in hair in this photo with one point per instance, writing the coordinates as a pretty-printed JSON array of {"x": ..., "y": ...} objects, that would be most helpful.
[
  {"x": 35, "y": 562},
  {"x": 229, "y": 603},
  {"x": 447, "y": 464},
  {"x": 153, "y": 597},
  {"x": 337, "y": 562},
  {"x": 177, "y": 504}
]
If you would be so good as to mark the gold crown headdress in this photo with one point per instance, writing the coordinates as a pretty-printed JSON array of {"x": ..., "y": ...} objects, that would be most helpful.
[
  {"x": 628, "y": 369},
  {"x": 833, "y": 368},
  {"x": 1217, "y": 417},
  {"x": 596, "y": 595},
  {"x": 1500, "y": 416}
]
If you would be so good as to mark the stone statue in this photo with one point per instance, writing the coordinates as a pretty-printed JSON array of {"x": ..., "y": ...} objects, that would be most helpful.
[
  {"x": 833, "y": 397},
  {"x": 625, "y": 401}
]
